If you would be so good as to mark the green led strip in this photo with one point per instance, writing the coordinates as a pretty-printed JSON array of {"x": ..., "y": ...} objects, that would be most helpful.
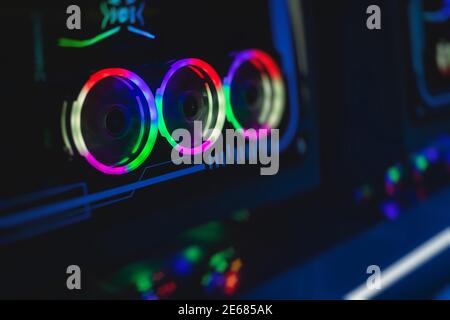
[{"x": 75, "y": 43}]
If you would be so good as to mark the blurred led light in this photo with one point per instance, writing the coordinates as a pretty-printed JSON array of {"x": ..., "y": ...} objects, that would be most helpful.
[
  {"x": 206, "y": 280},
  {"x": 141, "y": 32},
  {"x": 149, "y": 296},
  {"x": 272, "y": 83},
  {"x": 210, "y": 232},
  {"x": 391, "y": 210},
  {"x": 393, "y": 177},
  {"x": 184, "y": 262},
  {"x": 218, "y": 279},
  {"x": 394, "y": 174},
  {"x": 64, "y": 130},
  {"x": 193, "y": 254},
  {"x": 203, "y": 69},
  {"x": 236, "y": 265},
  {"x": 143, "y": 281},
  {"x": 148, "y": 142},
  {"x": 432, "y": 155},
  {"x": 231, "y": 283},
  {"x": 182, "y": 266},
  {"x": 212, "y": 281},
  {"x": 421, "y": 163},
  {"x": 363, "y": 193},
  {"x": 219, "y": 261},
  {"x": 166, "y": 290},
  {"x": 221, "y": 266}
]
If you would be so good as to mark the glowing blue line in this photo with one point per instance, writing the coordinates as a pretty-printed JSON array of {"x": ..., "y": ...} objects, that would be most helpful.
[
  {"x": 406, "y": 265},
  {"x": 31, "y": 197},
  {"x": 77, "y": 216},
  {"x": 141, "y": 32},
  {"x": 145, "y": 170},
  {"x": 25, "y": 199},
  {"x": 48, "y": 210}
]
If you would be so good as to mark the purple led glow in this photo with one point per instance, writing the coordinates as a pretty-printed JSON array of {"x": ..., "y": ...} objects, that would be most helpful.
[
  {"x": 182, "y": 266},
  {"x": 102, "y": 167},
  {"x": 432, "y": 155},
  {"x": 391, "y": 210},
  {"x": 150, "y": 296}
]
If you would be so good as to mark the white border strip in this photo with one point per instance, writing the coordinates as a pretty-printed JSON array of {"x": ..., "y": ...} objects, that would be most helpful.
[{"x": 404, "y": 266}]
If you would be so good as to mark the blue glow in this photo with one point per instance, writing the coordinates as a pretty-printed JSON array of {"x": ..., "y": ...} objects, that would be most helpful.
[
  {"x": 149, "y": 296},
  {"x": 48, "y": 210},
  {"x": 141, "y": 32},
  {"x": 182, "y": 266},
  {"x": 35, "y": 196},
  {"x": 442, "y": 15},
  {"x": 432, "y": 155}
]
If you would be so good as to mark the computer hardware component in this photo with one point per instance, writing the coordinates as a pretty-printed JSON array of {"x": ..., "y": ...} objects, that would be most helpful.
[
  {"x": 103, "y": 123},
  {"x": 426, "y": 82},
  {"x": 54, "y": 191},
  {"x": 190, "y": 92},
  {"x": 114, "y": 121},
  {"x": 254, "y": 91}
]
